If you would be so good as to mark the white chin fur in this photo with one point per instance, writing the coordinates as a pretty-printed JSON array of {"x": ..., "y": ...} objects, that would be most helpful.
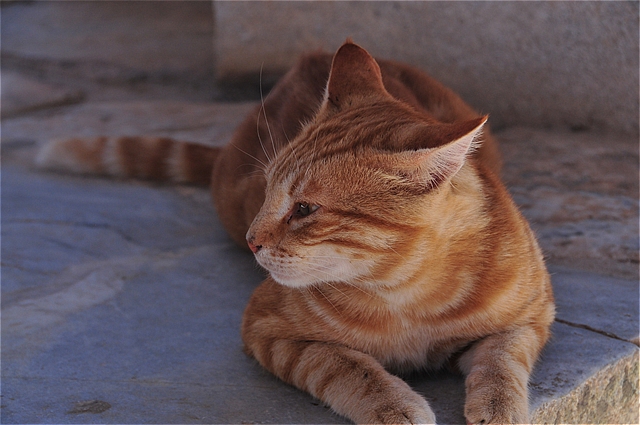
[{"x": 292, "y": 282}]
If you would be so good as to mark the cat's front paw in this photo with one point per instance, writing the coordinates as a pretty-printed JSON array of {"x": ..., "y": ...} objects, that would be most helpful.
[
  {"x": 411, "y": 408},
  {"x": 495, "y": 406},
  {"x": 409, "y": 415}
]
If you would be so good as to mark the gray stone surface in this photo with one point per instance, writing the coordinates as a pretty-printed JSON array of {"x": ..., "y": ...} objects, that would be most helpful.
[
  {"x": 22, "y": 94},
  {"x": 578, "y": 361},
  {"x": 613, "y": 385},
  {"x": 131, "y": 294},
  {"x": 579, "y": 190},
  {"x": 113, "y": 49},
  {"x": 208, "y": 123},
  {"x": 610, "y": 307},
  {"x": 113, "y": 33},
  {"x": 526, "y": 63}
]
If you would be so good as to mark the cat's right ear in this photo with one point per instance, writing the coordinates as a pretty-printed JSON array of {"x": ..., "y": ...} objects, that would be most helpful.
[
  {"x": 354, "y": 74},
  {"x": 430, "y": 167}
]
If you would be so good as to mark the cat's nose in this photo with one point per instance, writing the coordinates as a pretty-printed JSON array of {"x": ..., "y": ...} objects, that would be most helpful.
[{"x": 252, "y": 246}]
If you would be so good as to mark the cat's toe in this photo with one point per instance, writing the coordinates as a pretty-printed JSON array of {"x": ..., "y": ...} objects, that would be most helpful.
[
  {"x": 406, "y": 417},
  {"x": 410, "y": 413},
  {"x": 495, "y": 413}
]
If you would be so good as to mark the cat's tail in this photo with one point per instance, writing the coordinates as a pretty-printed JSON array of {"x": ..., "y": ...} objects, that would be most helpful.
[{"x": 153, "y": 158}]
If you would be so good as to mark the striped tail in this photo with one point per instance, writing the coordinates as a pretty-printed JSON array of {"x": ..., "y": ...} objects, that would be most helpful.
[{"x": 152, "y": 158}]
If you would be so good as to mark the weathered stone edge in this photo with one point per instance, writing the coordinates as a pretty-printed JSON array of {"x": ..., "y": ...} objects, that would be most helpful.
[{"x": 609, "y": 396}]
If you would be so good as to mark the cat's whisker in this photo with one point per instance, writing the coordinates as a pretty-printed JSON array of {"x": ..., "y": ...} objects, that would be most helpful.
[
  {"x": 335, "y": 288},
  {"x": 313, "y": 154},
  {"x": 329, "y": 301},
  {"x": 286, "y": 136},
  {"x": 253, "y": 157},
  {"x": 318, "y": 289},
  {"x": 392, "y": 249},
  {"x": 309, "y": 291},
  {"x": 293, "y": 151},
  {"x": 336, "y": 278},
  {"x": 266, "y": 120},
  {"x": 361, "y": 280},
  {"x": 260, "y": 138},
  {"x": 254, "y": 173}
]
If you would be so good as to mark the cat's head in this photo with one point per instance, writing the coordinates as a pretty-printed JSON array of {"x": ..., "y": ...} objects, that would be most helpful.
[{"x": 344, "y": 198}]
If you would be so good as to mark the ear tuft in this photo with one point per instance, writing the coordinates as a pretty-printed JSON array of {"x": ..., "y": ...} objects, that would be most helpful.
[{"x": 434, "y": 166}]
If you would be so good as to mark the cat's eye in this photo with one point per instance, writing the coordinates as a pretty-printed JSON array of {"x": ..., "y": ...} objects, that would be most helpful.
[{"x": 302, "y": 209}]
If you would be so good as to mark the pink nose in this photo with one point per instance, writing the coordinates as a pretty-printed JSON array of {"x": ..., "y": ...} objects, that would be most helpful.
[{"x": 252, "y": 247}]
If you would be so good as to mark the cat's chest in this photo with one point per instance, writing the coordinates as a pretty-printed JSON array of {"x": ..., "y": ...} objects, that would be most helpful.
[
  {"x": 407, "y": 344},
  {"x": 398, "y": 339}
]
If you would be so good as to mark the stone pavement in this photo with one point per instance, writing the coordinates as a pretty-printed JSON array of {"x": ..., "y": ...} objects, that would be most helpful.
[{"x": 122, "y": 300}]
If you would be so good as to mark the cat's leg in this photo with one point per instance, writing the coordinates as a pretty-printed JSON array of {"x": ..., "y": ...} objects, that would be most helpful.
[
  {"x": 497, "y": 369},
  {"x": 353, "y": 383}
]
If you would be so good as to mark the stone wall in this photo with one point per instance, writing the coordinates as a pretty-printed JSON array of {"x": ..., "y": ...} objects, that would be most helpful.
[{"x": 569, "y": 64}]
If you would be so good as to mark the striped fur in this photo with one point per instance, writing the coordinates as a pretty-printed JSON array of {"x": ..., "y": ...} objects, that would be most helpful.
[
  {"x": 371, "y": 194},
  {"x": 153, "y": 158}
]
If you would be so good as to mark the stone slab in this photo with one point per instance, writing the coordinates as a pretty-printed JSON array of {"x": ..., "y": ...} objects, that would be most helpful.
[
  {"x": 568, "y": 64},
  {"x": 611, "y": 308},
  {"x": 207, "y": 123},
  {"x": 579, "y": 191},
  {"x": 171, "y": 37},
  {"x": 582, "y": 375},
  {"x": 22, "y": 94},
  {"x": 133, "y": 304},
  {"x": 613, "y": 385}
]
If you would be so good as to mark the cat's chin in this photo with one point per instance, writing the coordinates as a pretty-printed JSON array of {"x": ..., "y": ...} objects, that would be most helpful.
[{"x": 291, "y": 281}]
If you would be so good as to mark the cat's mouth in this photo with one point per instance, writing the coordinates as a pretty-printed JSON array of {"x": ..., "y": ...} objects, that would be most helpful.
[
  {"x": 284, "y": 271},
  {"x": 298, "y": 272}
]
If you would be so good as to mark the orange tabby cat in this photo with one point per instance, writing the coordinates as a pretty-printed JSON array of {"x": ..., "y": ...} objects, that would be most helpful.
[{"x": 390, "y": 242}]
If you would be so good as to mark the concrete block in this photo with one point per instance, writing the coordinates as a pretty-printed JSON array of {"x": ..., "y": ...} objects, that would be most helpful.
[
  {"x": 537, "y": 63},
  {"x": 614, "y": 385}
]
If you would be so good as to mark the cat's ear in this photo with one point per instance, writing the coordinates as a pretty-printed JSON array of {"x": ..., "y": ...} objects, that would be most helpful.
[
  {"x": 433, "y": 166},
  {"x": 354, "y": 74}
]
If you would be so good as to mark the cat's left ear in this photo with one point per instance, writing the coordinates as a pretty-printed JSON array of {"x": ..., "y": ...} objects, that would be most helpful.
[
  {"x": 354, "y": 74},
  {"x": 434, "y": 166}
]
